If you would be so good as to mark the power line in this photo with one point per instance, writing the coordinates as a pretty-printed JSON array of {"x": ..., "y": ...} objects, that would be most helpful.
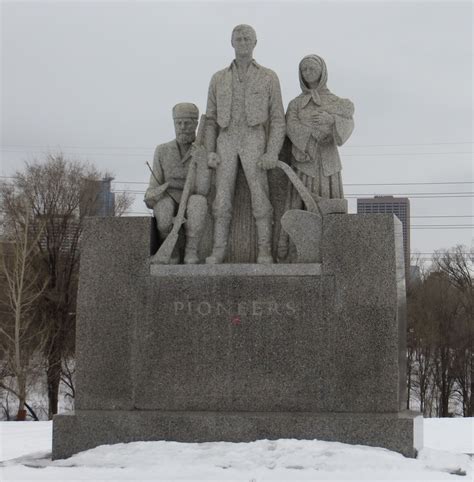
[
  {"x": 352, "y": 184},
  {"x": 407, "y": 183},
  {"x": 423, "y": 183},
  {"x": 357, "y": 195},
  {"x": 410, "y": 193},
  {"x": 441, "y": 252},
  {"x": 149, "y": 154},
  {"x": 416, "y": 197},
  {"x": 396, "y": 154},
  {"x": 19, "y": 146},
  {"x": 444, "y": 216},
  {"x": 353, "y": 193},
  {"x": 411, "y": 217},
  {"x": 420, "y": 194},
  {"x": 425, "y": 255},
  {"x": 441, "y": 225},
  {"x": 411, "y": 144}
]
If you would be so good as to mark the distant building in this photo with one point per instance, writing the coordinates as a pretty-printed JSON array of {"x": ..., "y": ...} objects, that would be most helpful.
[
  {"x": 400, "y": 206},
  {"x": 415, "y": 274},
  {"x": 98, "y": 199}
]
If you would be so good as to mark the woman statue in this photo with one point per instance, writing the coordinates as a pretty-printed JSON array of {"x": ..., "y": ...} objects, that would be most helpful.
[{"x": 317, "y": 122}]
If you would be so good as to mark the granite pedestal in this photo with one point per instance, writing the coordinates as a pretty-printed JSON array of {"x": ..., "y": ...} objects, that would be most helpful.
[{"x": 241, "y": 352}]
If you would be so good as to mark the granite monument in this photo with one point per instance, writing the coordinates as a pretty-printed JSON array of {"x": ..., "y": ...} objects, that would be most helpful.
[{"x": 309, "y": 347}]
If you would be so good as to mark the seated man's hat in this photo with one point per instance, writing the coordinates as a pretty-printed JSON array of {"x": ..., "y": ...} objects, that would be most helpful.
[{"x": 185, "y": 109}]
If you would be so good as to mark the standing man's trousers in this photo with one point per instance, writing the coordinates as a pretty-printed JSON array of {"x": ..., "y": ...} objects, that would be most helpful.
[{"x": 248, "y": 145}]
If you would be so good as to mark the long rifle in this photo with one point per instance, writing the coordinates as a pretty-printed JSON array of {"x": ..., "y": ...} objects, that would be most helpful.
[{"x": 163, "y": 255}]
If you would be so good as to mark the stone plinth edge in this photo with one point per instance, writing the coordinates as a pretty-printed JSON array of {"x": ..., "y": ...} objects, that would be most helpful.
[
  {"x": 401, "y": 432},
  {"x": 312, "y": 269}
]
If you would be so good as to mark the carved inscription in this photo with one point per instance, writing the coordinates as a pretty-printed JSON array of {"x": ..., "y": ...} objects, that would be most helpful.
[{"x": 243, "y": 308}]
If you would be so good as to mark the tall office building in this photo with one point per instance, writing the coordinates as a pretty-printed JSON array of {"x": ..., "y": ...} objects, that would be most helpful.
[
  {"x": 98, "y": 199},
  {"x": 400, "y": 206}
]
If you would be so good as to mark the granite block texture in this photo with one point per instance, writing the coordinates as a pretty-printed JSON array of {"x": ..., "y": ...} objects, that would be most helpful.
[
  {"x": 305, "y": 350},
  {"x": 245, "y": 343},
  {"x": 401, "y": 432},
  {"x": 114, "y": 262},
  {"x": 364, "y": 253}
]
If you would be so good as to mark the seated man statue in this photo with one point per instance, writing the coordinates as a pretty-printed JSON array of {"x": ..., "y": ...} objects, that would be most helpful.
[{"x": 170, "y": 167}]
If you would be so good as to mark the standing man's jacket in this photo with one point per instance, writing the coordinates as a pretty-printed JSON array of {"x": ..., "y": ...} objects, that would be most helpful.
[{"x": 263, "y": 103}]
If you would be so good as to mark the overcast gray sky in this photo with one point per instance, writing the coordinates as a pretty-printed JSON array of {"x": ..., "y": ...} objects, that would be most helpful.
[{"x": 97, "y": 80}]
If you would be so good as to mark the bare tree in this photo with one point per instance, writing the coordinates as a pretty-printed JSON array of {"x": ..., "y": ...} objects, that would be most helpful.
[
  {"x": 68, "y": 373},
  {"x": 123, "y": 201},
  {"x": 24, "y": 285},
  {"x": 456, "y": 264},
  {"x": 421, "y": 342},
  {"x": 444, "y": 311},
  {"x": 56, "y": 191},
  {"x": 58, "y": 195},
  {"x": 440, "y": 335}
]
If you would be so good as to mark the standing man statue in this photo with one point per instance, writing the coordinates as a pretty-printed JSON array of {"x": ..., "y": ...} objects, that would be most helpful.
[
  {"x": 246, "y": 122},
  {"x": 171, "y": 164}
]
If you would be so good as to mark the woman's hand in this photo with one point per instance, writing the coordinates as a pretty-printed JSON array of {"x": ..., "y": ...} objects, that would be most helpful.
[{"x": 322, "y": 119}]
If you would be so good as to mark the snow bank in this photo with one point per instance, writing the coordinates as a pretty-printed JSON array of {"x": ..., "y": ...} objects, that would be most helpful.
[
  {"x": 263, "y": 460},
  {"x": 450, "y": 434},
  {"x": 22, "y": 438}
]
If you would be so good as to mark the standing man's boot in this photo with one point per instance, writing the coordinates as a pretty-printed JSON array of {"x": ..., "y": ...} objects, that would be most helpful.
[
  {"x": 264, "y": 238},
  {"x": 221, "y": 235}
]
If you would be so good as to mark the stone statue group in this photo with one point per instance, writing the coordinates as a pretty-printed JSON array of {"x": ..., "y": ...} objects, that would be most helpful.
[{"x": 245, "y": 124}]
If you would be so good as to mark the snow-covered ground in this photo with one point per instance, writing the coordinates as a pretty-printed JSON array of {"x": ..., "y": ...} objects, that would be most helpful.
[{"x": 25, "y": 449}]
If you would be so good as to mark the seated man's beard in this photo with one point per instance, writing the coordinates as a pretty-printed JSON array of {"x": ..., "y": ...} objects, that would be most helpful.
[{"x": 186, "y": 137}]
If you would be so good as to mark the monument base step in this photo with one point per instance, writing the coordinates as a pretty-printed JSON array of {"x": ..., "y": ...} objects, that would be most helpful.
[{"x": 83, "y": 430}]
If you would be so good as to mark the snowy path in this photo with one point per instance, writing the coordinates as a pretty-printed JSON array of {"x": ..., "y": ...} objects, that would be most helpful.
[{"x": 29, "y": 444}]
